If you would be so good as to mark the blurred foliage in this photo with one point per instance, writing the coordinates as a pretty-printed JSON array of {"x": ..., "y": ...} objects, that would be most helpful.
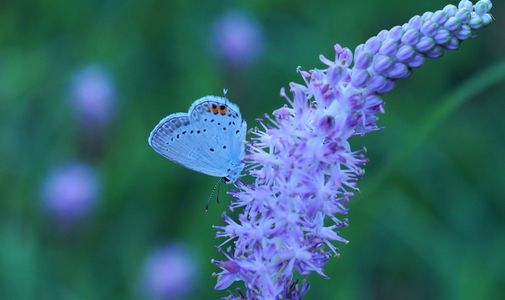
[{"x": 432, "y": 227}]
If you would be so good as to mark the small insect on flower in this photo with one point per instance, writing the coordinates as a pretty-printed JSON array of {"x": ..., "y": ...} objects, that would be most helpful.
[{"x": 208, "y": 139}]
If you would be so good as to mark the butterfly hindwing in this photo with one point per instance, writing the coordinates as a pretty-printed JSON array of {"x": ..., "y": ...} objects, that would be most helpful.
[{"x": 175, "y": 139}]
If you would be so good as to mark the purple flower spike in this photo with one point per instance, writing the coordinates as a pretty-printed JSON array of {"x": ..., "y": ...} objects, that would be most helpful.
[
  {"x": 169, "y": 273},
  {"x": 237, "y": 38},
  {"x": 404, "y": 47},
  {"x": 70, "y": 192},
  {"x": 303, "y": 167}
]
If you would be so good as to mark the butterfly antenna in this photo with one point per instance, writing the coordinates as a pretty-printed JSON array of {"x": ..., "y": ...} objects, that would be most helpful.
[
  {"x": 217, "y": 195},
  {"x": 219, "y": 189},
  {"x": 216, "y": 186}
]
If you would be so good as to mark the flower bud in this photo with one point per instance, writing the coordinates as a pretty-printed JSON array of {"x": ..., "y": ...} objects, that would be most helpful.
[
  {"x": 382, "y": 63},
  {"x": 452, "y": 24},
  {"x": 389, "y": 47},
  {"x": 425, "y": 44},
  {"x": 398, "y": 71},
  {"x": 450, "y": 10},
  {"x": 363, "y": 60},
  {"x": 359, "y": 77},
  {"x": 410, "y": 37},
  {"x": 405, "y": 53}
]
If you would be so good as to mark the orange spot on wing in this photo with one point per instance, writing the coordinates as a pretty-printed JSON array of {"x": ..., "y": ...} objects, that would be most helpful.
[
  {"x": 214, "y": 109},
  {"x": 223, "y": 110}
]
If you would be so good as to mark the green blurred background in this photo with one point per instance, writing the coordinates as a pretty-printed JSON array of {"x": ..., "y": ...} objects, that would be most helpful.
[{"x": 428, "y": 224}]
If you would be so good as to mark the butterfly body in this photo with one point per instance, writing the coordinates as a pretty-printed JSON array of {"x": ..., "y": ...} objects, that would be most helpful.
[{"x": 208, "y": 139}]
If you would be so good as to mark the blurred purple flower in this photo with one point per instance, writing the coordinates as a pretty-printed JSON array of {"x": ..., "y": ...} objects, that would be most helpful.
[
  {"x": 93, "y": 95},
  {"x": 237, "y": 38},
  {"x": 304, "y": 169},
  {"x": 169, "y": 273},
  {"x": 70, "y": 192}
]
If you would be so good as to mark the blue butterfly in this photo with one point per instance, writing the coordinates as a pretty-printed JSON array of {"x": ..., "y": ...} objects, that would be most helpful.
[{"x": 208, "y": 139}]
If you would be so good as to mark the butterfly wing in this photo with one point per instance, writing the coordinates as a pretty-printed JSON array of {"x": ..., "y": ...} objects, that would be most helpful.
[
  {"x": 225, "y": 128},
  {"x": 208, "y": 139},
  {"x": 175, "y": 139}
]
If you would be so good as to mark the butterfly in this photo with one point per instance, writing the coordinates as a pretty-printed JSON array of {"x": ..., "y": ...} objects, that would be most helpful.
[{"x": 208, "y": 139}]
